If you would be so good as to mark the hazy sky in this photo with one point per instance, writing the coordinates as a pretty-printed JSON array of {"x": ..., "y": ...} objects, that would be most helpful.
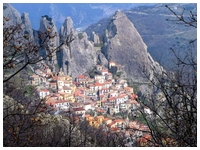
[{"x": 82, "y": 14}]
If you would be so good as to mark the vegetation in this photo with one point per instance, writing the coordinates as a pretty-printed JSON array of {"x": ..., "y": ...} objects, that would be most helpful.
[
  {"x": 80, "y": 36},
  {"x": 20, "y": 50},
  {"x": 94, "y": 72},
  {"x": 98, "y": 45},
  {"x": 175, "y": 109},
  {"x": 28, "y": 121}
]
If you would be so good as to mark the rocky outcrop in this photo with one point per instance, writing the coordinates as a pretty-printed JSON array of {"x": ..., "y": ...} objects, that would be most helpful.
[
  {"x": 27, "y": 25},
  {"x": 124, "y": 45},
  {"x": 47, "y": 25},
  {"x": 95, "y": 38},
  {"x": 79, "y": 56},
  {"x": 102, "y": 59},
  {"x": 15, "y": 19},
  {"x": 11, "y": 13},
  {"x": 121, "y": 43}
]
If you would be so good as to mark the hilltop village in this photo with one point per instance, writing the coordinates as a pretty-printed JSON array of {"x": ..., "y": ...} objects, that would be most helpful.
[{"x": 92, "y": 98}]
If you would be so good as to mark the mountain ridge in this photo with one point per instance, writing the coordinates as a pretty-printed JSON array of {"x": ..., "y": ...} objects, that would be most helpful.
[{"x": 158, "y": 34}]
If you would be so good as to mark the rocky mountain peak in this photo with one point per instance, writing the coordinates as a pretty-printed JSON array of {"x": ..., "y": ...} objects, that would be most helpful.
[
  {"x": 69, "y": 25},
  {"x": 125, "y": 46},
  {"x": 118, "y": 14},
  {"x": 47, "y": 23},
  {"x": 79, "y": 56},
  {"x": 11, "y": 13},
  {"x": 27, "y": 25}
]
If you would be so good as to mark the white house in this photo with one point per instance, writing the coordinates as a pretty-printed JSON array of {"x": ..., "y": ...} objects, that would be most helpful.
[
  {"x": 122, "y": 106},
  {"x": 113, "y": 94},
  {"x": 62, "y": 105},
  {"x": 43, "y": 93},
  {"x": 87, "y": 106},
  {"x": 147, "y": 111},
  {"x": 60, "y": 83},
  {"x": 104, "y": 72},
  {"x": 116, "y": 108},
  {"x": 124, "y": 85},
  {"x": 67, "y": 89},
  {"x": 99, "y": 78},
  {"x": 118, "y": 86}
]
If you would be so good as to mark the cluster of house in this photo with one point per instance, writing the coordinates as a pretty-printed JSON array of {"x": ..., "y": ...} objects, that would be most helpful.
[{"x": 103, "y": 94}]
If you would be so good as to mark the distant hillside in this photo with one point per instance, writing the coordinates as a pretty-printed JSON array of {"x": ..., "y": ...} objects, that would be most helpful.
[{"x": 158, "y": 34}]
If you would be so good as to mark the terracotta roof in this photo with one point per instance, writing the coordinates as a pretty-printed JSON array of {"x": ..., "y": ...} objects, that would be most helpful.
[
  {"x": 111, "y": 124},
  {"x": 104, "y": 100},
  {"x": 133, "y": 96},
  {"x": 66, "y": 82},
  {"x": 75, "y": 83},
  {"x": 53, "y": 101},
  {"x": 134, "y": 102},
  {"x": 105, "y": 89},
  {"x": 66, "y": 88},
  {"x": 123, "y": 95},
  {"x": 80, "y": 95},
  {"x": 106, "y": 119},
  {"x": 118, "y": 120},
  {"x": 86, "y": 116},
  {"x": 111, "y": 98},
  {"x": 100, "y": 116},
  {"x": 35, "y": 76},
  {"x": 43, "y": 90},
  {"x": 99, "y": 84},
  {"x": 114, "y": 129},
  {"x": 104, "y": 70},
  {"x": 78, "y": 109},
  {"x": 109, "y": 81},
  {"x": 144, "y": 138},
  {"x": 80, "y": 77},
  {"x": 55, "y": 77}
]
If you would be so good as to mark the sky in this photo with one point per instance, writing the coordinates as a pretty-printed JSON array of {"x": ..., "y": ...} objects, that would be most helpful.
[{"x": 82, "y": 14}]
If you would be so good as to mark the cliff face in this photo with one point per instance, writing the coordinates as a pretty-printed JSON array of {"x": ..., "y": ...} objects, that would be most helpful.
[
  {"x": 47, "y": 23},
  {"x": 16, "y": 19},
  {"x": 124, "y": 45},
  {"x": 121, "y": 43},
  {"x": 95, "y": 38},
  {"x": 79, "y": 56},
  {"x": 11, "y": 13}
]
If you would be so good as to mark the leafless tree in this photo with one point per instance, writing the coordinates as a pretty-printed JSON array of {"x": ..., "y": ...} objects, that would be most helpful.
[
  {"x": 27, "y": 121},
  {"x": 173, "y": 121},
  {"x": 20, "y": 50}
]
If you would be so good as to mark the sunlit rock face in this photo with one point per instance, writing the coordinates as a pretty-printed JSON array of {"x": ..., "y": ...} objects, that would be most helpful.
[{"x": 79, "y": 56}]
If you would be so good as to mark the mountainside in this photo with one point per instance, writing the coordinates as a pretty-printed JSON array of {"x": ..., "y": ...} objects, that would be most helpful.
[
  {"x": 158, "y": 34},
  {"x": 118, "y": 41},
  {"x": 124, "y": 45},
  {"x": 15, "y": 19},
  {"x": 80, "y": 56}
]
